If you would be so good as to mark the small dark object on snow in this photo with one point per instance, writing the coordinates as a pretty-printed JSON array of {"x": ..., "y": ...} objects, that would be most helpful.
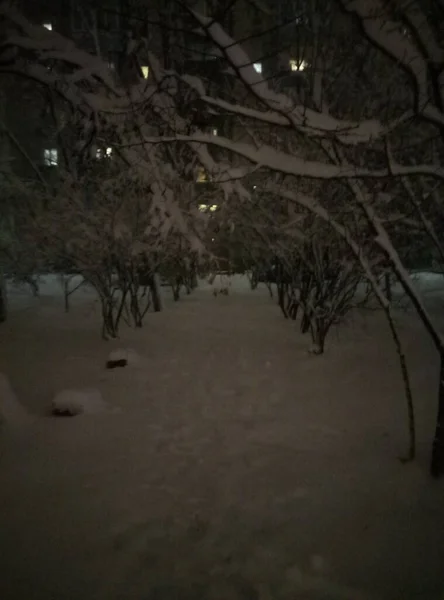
[
  {"x": 222, "y": 291},
  {"x": 315, "y": 349},
  {"x": 113, "y": 364},
  {"x": 65, "y": 412}
]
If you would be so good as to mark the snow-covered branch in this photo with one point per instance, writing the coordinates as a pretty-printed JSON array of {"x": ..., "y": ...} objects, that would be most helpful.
[
  {"x": 267, "y": 157},
  {"x": 402, "y": 31},
  {"x": 280, "y": 108}
]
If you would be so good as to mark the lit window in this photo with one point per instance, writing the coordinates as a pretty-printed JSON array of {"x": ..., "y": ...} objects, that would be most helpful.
[
  {"x": 298, "y": 65},
  {"x": 100, "y": 153},
  {"x": 111, "y": 66},
  {"x": 145, "y": 71},
  {"x": 257, "y": 67},
  {"x": 50, "y": 157},
  {"x": 202, "y": 176},
  {"x": 214, "y": 131},
  {"x": 48, "y": 26},
  {"x": 207, "y": 207}
]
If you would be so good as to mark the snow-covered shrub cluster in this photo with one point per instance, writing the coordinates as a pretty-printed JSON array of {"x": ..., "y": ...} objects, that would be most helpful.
[{"x": 118, "y": 233}]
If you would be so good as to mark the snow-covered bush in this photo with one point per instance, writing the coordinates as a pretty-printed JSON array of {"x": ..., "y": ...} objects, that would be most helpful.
[
  {"x": 116, "y": 232},
  {"x": 321, "y": 279},
  {"x": 20, "y": 260}
]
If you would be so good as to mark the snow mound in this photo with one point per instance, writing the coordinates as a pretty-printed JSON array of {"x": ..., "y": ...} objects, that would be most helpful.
[
  {"x": 11, "y": 411},
  {"x": 70, "y": 403},
  {"x": 122, "y": 357}
]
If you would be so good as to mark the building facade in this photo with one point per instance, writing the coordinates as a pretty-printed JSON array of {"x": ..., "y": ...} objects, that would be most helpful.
[{"x": 272, "y": 33}]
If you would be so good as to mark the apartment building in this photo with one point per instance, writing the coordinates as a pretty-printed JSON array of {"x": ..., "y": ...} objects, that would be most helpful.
[{"x": 104, "y": 26}]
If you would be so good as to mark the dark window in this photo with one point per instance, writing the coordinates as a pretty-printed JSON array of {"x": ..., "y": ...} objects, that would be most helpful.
[
  {"x": 79, "y": 16},
  {"x": 106, "y": 12},
  {"x": 108, "y": 16}
]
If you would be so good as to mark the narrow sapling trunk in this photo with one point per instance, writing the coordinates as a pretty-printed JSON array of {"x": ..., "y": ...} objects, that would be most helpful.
[
  {"x": 437, "y": 462},
  {"x": 411, "y": 453},
  {"x": 318, "y": 335},
  {"x": 66, "y": 294},
  {"x": 155, "y": 293},
  {"x": 254, "y": 280},
  {"x": 194, "y": 281},
  {"x": 175, "y": 286},
  {"x": 3, "y": 299},
  {"x": 388, "y": 286},
  {"x": 281, "y": 290},
  {"x": 305, "y": 321}
]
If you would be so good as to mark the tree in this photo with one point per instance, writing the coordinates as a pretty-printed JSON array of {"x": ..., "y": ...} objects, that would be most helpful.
[
  {"x": 336, "y": 142},
  {"x": 111, "y": 212}
]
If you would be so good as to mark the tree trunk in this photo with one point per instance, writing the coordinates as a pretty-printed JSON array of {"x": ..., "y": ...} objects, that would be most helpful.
[
  {"x": 135, "y": 307},
  {"x": 66, "y": 293},
  {"x": 282, "y": 293},
  {"x": 388, "y": 286},
  {"x": 176, "y": 284},
  {"x": 3, "y": 299},
  {"x": 411, "y": 452},
  {"x": 437, "y": 463},
  {"x": 305, "y": 322},
  {"x": 318, "y": 331},
  {"x": 108, "y": 324},
  {"x": 253, "y": 280},
  {"x": 194, "y": 282},
  {"x": 293, "y": 308},
  {"x": 155, "y": 293}
]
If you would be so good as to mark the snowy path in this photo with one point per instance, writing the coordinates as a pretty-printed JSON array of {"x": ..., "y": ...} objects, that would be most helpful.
[{"x": 238, "y": 466}]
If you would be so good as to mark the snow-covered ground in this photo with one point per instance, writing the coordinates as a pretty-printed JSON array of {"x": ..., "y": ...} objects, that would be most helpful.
[{"x": 231, "y": 464}]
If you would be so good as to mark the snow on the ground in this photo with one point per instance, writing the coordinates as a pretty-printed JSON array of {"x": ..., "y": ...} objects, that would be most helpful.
[
  {"x": 78, "y": 402},
  {"x": 431, "y": 287},
  {"x": 238, "y": 465},
  {"x": 12, "y": 412},
  {"x": 128, "y": 355}
]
